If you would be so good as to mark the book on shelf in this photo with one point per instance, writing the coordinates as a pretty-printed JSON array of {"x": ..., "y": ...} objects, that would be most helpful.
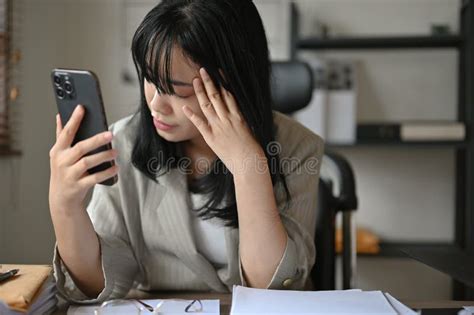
[{"x": 410, "y": 131}]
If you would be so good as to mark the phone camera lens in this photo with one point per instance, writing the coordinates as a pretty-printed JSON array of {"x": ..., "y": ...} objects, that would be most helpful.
[
  {"x": 57, "y": 79},
  {"x": 60, "y": 92},
  {"x": 68, "y": 87}
]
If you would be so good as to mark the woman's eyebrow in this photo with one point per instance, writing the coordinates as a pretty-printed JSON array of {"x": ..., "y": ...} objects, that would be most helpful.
[{"x": 180, "y": 83}]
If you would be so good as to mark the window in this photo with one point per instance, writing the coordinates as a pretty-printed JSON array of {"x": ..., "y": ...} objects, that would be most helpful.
[{"x": 8, "y": 93}]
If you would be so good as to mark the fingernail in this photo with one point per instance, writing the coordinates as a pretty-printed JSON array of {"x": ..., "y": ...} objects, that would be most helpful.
[
  {"x": 108, "y": 135},
  {"x": 203, "y": 71}
]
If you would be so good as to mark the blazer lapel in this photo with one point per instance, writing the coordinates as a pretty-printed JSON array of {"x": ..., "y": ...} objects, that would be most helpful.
[{"x": 174, "y": 219}]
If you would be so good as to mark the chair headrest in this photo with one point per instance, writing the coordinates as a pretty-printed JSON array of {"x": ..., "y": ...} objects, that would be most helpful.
[{"x": 291, "y": 85}]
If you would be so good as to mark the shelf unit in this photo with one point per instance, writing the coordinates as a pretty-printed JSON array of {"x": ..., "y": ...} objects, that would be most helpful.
[
  {"x": 407, "y": 42},
  {"x": 9, "y": 153},
  {"x": 394, "y": 249},
  {"x": 464, "y": 150}
]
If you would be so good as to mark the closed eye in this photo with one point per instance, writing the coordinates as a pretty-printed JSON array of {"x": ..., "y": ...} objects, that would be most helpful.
[
  {"x": 182, "y": 90},
  {"x": 183, "y": 96}
]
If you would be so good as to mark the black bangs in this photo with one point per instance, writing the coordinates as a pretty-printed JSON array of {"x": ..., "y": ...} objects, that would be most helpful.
[
  {"x": 152, "y": 49},
  {"x": 153, "y": 43}
]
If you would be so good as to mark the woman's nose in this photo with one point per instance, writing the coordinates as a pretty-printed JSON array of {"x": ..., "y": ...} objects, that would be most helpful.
[{"x": 160, "y": 103}]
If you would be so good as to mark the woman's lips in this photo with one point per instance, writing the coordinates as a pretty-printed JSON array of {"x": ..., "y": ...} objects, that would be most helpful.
[{"x": 161, "y": 125}]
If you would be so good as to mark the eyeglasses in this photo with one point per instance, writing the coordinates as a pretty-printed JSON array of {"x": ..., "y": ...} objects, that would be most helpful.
[{"x": 122, "y": 306}]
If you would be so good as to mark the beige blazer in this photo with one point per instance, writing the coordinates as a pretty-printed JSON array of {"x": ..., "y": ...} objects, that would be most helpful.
[{"x": 145, "y": 229}]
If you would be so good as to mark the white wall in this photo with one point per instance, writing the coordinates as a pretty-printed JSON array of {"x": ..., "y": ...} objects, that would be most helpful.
[
  {"x": 404, "y": 193},
  {"x": 55, "y": 33}
]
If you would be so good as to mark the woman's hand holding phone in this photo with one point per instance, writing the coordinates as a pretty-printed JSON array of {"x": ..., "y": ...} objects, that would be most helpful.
[{"x": 70, "y": 181}]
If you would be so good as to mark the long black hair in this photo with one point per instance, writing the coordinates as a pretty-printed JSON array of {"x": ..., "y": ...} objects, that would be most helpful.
[{"x": 226, "y": 35}]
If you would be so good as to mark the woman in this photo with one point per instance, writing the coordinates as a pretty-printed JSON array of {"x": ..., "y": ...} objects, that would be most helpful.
[{"x": 214, "y": 188}]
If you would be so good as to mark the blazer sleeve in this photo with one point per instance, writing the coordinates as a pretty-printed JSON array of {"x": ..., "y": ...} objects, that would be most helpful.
[
  {"x": 118, "y": 261},
  {"x": 299, "y": 218}
]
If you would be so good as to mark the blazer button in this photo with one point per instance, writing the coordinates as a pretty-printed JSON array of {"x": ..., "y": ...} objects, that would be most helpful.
[{"x": 287, "y": 283}]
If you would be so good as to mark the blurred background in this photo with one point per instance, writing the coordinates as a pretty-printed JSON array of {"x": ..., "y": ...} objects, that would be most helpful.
[{"x": 407, "y": 193}]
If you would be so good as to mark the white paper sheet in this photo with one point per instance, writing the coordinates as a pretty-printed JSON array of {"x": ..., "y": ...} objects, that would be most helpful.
[
  {"x": 469, "y": 310},
  {"x": 210, "y": 307},
  {"x": 256, "y": 301},
  {"x": 398, "y": 306}
]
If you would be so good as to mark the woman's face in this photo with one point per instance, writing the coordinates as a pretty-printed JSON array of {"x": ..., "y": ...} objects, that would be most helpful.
[{"x": 167, "y": 108}]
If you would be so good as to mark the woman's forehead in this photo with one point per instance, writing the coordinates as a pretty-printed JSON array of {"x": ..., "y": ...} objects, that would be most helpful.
[{"x": 182, "y": 69}]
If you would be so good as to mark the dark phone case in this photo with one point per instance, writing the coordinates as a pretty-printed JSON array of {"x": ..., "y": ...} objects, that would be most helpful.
[{"x": 87, "y": 93}]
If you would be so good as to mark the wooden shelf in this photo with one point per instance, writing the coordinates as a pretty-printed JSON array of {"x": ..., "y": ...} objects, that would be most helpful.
[
  {"x": 357, "y": 43},
  {"x": 9, "y": 153},
  {"x": 394, "y": 249}
]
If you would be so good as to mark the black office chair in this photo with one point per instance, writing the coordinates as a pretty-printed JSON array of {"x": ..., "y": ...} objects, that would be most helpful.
[{"x": 292, "y": 88}]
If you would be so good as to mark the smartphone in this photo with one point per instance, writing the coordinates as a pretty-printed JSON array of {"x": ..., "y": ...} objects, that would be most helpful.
[{"x": 73, "y": 87}]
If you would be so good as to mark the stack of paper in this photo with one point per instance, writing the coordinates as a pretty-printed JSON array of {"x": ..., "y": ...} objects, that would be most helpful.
[
  {"x": 257, "y": 301},
  {"x": 209, "y": 307}
]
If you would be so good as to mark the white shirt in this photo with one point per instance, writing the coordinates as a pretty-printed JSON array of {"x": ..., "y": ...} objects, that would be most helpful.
[{"x": 209, "y": 235}]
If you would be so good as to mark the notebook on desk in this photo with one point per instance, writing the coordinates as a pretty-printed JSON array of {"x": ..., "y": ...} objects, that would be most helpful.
[{"x": 258, "y": 301}]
